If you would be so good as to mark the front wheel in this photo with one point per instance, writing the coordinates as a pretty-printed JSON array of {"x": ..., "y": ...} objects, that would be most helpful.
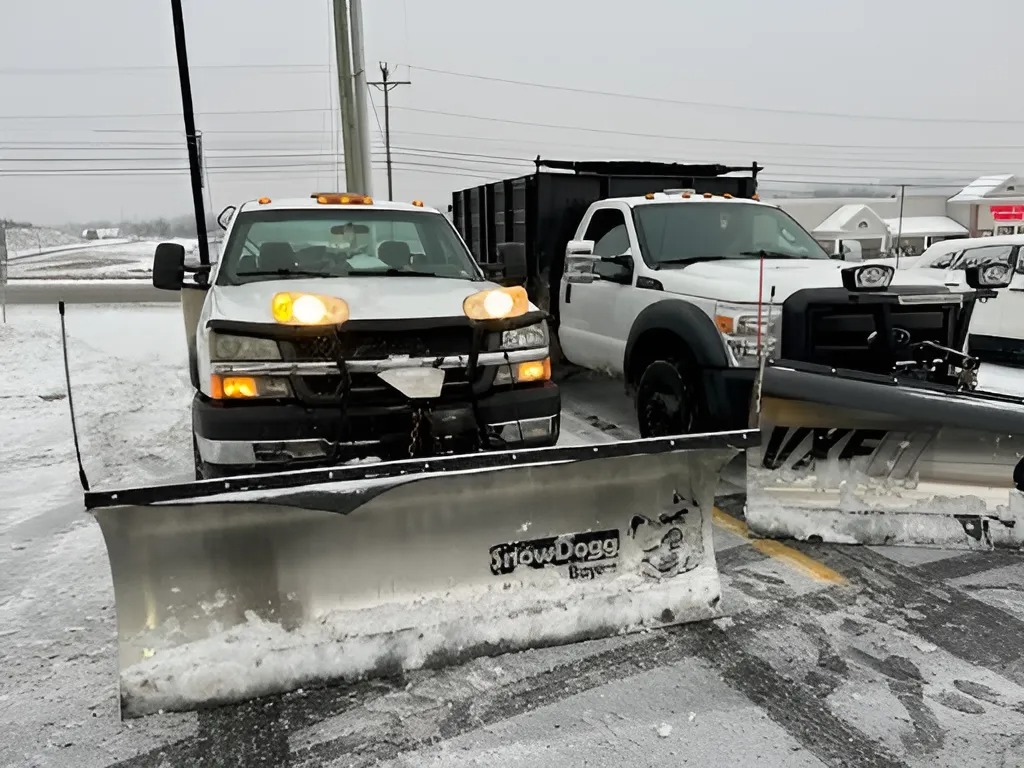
[{"x": 668, "y": 399}]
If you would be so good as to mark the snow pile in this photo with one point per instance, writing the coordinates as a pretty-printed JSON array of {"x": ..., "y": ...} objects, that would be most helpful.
[
  {"x": 841, "y": 503},
  {"x": 131, "y": 394},
  {"x": 261, "y": 657}
]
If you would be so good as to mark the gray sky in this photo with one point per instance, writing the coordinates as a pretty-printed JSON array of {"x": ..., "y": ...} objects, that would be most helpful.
[{"x": 909, "y": 88}]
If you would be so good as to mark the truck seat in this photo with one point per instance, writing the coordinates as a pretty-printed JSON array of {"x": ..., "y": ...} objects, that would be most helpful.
[
  {"x": 274, "y": 256},
  {"x": 394, "y": 253}
]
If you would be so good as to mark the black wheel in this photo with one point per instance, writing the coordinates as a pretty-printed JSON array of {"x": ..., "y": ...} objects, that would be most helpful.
[{"x": 668, "y": 399}]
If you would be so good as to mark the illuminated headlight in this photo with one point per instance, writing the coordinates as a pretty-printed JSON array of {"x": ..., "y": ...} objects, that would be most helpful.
[
  {"x": 227, "y": 347},
  {"x": 868, "y": 277},
  {"x": 525, "y": 338},
  {"x": 738, "y": 325},
  {"x": 496, "y": 303}
]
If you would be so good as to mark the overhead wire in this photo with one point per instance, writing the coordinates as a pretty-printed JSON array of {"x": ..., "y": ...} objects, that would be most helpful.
[{"x": 718, "y": 105}]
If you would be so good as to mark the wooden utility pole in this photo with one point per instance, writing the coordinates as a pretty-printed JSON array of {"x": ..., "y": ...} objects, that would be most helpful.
[{"x": 387, "y": 85}]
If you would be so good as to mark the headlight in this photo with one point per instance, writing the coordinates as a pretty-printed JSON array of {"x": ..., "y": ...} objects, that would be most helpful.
[
  {"x": 496, "y": 303},
  {"x": 738, "y": 325},
  {"x": 226, "y": 347},
  {"x": 530, "y": 337},
  {"x": 868, "y": 277},
  {"x": 291, "y": 308}
]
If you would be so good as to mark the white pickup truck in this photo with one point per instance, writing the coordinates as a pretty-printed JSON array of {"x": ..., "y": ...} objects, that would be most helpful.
[
  {"x": 664, "y": 291},
  {"x": 337, "y": 327},
  {"x": 997, "y": 326}
]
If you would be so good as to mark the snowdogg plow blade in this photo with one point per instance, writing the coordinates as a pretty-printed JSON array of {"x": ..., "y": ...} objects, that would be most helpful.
[
  {"x": 227, "y": 590},
  {"x": 864, "y": 458}
]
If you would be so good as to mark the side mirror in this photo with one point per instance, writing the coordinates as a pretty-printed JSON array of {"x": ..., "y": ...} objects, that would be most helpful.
[
  {"x": 169, "y": 266},
  {"x": 224, "y": 217},
  {"x": 988, "y": 276},
  {"x": 579, "y": 248},
  {"x": 512, "y": 258}
]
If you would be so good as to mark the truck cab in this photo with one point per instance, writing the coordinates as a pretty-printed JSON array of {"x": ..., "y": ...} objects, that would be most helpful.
[
  {"x": 336, "y": 328},
  {"x": 678, "y": 293}
]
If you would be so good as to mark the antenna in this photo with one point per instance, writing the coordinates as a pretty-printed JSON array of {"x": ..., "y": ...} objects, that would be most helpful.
[{"x": 71, "y": 405}]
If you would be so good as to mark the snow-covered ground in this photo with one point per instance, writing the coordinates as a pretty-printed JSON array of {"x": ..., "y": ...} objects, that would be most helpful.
[
  {"x": 111, "y": 259},
  {"x": 26, "y": 240},
  {"x": 915, "y": 660}
]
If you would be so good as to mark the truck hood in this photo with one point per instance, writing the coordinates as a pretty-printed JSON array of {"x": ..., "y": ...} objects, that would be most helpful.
[
  {"x": 369, "y": 298},
  {"x": 737, "y": 281}
]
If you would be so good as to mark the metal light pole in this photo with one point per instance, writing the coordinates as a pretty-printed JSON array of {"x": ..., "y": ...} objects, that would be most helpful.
[{"x": 191, "y": 138}]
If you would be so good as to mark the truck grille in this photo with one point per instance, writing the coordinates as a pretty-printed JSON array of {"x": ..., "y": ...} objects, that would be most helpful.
[
  {"x": 837, "y": 334},
  {"x": 379, "y": 345},
  {"x": 367, "y": 389}
]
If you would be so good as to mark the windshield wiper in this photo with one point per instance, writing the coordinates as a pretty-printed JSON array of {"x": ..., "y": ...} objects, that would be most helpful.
[
  {"x": 397, "y": 273},
  {"x": 281, "y": 273},
  {"x": 771, "y": 254},
  {"x": 692, "y": 260}
]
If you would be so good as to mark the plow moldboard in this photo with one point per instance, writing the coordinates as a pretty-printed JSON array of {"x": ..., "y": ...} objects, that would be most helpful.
[{"x": 227, "y": 595}]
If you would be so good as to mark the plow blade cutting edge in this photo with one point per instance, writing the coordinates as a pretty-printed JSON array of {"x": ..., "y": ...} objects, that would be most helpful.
[
  {"x": 859, "y": 458},
  {"x": 230, "y": 589}
]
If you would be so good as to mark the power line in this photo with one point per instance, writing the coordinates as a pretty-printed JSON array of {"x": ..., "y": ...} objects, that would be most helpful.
[
  {"x": 315, "y": 68},
  {"x": 714, "y": 105}
]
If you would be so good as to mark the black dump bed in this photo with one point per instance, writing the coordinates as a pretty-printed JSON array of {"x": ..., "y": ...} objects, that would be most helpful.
[{"x": 542, "y": 210}]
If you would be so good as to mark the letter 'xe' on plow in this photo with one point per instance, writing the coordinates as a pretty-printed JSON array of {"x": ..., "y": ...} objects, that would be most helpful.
[{"x": 229, "y": 589}]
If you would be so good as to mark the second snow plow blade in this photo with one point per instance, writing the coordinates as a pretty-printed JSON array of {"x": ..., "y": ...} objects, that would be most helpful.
[
  {"x": 227, "y": 590},
  {"x": 860, "y": 458}
]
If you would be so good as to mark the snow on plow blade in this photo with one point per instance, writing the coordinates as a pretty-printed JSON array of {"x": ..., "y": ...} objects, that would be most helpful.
[
  {"x": 230, "y": 589},
  {"x": 851, "y": 457}
]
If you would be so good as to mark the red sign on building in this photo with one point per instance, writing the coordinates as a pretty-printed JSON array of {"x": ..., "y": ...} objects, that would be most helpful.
[{"x": 1007, "y": 212}]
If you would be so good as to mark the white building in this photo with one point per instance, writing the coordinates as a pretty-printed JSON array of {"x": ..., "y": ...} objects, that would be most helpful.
[{"x": 990, "y": 205}]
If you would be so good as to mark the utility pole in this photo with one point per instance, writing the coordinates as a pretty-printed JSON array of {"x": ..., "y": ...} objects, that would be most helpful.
[
  {"x": 386, "y": 86},
  {"x": 362, "y": 148},
  {"x": 349, "y": 132}
]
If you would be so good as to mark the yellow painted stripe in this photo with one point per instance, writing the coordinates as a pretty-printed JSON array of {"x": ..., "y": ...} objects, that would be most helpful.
[{"x": 776, "y": 549}]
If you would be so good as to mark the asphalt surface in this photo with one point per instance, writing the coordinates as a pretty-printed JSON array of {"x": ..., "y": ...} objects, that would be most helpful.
[{"x": 829, "y": 656}]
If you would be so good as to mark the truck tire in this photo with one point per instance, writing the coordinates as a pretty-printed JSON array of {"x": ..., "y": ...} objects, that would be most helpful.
[{"x": 669, "y": 400}]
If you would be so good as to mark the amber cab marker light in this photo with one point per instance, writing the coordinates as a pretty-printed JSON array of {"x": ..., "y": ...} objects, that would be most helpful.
[
  {"x": 263, "y": 200},
  {"x": 342, "y": 198},
  {"x": 418, "y": 203}
]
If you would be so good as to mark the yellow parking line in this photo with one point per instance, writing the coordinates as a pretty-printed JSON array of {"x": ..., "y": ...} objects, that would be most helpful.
[{"x": 797, "y": 560}]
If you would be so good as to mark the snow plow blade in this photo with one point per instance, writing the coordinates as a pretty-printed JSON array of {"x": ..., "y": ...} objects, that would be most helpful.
[
  {"x": 226, "y": 590},
  {"x": 860, "y": 458}
]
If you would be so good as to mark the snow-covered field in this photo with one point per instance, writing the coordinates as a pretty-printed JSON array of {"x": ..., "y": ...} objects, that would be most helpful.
[
  {"x": 27, "y": 240},
  {"x": 913, "y": 660},
  {"x": 103, "y": 259}
]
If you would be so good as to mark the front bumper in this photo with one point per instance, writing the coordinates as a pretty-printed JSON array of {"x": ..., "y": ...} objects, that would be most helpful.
[{"x": 271, "y": 435}]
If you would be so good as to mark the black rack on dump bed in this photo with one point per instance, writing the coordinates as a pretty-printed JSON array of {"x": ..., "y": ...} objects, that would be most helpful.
[{"x": 541, "y": 211}]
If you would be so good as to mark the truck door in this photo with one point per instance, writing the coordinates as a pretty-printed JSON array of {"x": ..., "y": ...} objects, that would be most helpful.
[{"x": 588, "y": 299}]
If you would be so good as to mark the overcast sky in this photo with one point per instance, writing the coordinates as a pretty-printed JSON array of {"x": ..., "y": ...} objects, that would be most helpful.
[{"x": 815, "y": 91}]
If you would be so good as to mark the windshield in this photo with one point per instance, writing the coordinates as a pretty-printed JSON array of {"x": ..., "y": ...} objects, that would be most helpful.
[
  {"x": 983, "y": 255},
  {"x": 682, "y": 232},
  {"x": 342, "y": 242}
]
